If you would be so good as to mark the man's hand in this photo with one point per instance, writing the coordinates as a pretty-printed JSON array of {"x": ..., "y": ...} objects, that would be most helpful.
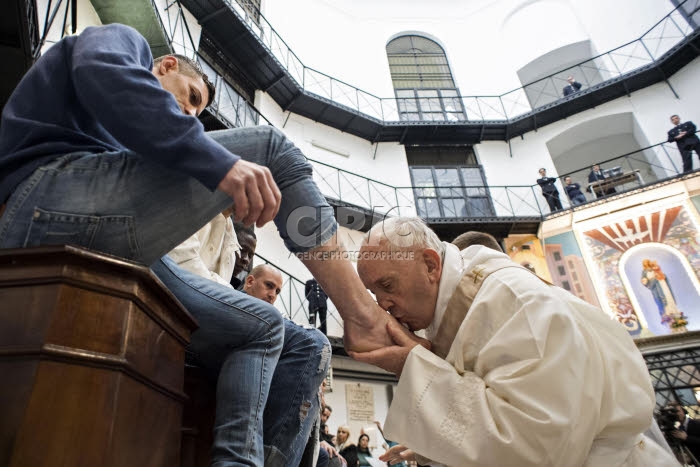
[
  {"x": 329, "y": 449},
  {"x": 393, "y": 357},
  {"x": 255, "y": 194},
  {"x": 679, "y": 434},
  {"x": 681, "y": 135},
  {"x": 397, "y": 454}
]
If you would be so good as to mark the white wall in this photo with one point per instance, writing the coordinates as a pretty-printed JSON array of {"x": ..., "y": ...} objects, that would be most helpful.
[
  {"x": 385, "y": 162},
  {"x": 346, "y": 39},
  {"x": 336, "y": 400}
]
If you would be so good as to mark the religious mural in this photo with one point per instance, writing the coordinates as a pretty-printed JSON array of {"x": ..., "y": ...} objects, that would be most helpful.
[
  {"x": 648, "y": 268},
  {"x": 567, "y": 267},
  {"x": 527, "y": 251}
]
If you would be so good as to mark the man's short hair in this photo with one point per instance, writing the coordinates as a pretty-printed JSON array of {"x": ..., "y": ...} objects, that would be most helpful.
[
  {"x": 260, "y": 268},
  {"x": 191, "y": 68},
  {"x": 473, "y": 237},
  {"x": 241, "y": 228},
  {"x": 674, "y": 115},
  {"x": 326, "y": 406},
  {"x": 404, "y": 233}
]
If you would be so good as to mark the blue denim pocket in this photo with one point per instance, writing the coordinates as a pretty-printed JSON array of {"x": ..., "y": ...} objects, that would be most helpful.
[{"x": 109, "y": 234}]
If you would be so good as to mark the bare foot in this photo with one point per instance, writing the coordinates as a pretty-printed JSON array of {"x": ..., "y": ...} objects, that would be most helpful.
[{"x": 368, "y": 335}]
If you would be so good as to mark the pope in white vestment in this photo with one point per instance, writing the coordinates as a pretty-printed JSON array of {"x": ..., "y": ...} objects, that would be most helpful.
[{"x": 521, "y": 373}]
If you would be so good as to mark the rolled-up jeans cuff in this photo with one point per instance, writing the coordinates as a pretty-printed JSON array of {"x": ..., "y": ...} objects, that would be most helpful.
[
  {"x": 305, "y": 220},
  {"x": 325, "y": 231}
]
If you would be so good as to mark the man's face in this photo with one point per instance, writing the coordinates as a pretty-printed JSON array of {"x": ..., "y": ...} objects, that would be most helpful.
[
  {"x": 676, "y": 120},
  {"x": 570, "y": 79},
  {"x": 596, "y": 168},
  {"x": 568, "y": 180},
  {"x": 543, "y": 172},
  {"x": 267, "y": 286},
  {"x": 244, "y": 258},
  {"x": 190, "y": 92},
  {"x": 405, "y": 285},
  {"x": 679, "y": 413},
  {"x": 325, "y": 415}
]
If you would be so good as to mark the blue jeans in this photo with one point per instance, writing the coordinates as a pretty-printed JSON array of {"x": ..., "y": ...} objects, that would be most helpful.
[
  {"x": 293, "y": 405},
  {"x": 238, "y": 343},
  {"x": 261, "y": 362},
  {"x": 124, "y": 204},
  {"x": 578, "y": 199}
]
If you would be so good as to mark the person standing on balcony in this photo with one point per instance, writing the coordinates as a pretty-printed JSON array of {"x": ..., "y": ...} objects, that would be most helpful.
[
  {"x": 572, "y": 87},
  {"x": 573, "y": 191},
  {"x": 684, "y": 136},
  {"x": 549, "y": 191}
]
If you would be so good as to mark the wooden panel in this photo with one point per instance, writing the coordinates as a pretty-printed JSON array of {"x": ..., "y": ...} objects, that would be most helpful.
[
  {"x": 89, "y": 320},
  {"x": 24, "y": 314},
  {"x": 149, "y": 423},
  {"x": 94, "y": 349},
  {"x": 154, "y": 352},
  {"x": 14, "y": 397},
  {"x": 69, "y": 417}
]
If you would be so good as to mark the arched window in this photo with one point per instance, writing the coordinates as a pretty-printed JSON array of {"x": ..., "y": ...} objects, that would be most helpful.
[{"x": 422, "y": 80}]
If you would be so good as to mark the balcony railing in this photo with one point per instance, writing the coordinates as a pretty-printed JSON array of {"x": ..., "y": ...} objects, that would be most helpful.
[
  {"x": 636, "y": 55},
  {"x": 293, "y": 304},
  {"x": 228, "y": 106},
  {"x": 654, "y": 164}
]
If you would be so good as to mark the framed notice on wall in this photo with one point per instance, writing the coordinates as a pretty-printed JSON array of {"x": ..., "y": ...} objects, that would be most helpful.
[{"x": 359, "y": 402}]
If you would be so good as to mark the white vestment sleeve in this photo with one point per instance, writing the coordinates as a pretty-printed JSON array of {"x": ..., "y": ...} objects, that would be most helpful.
[{"x": 535, "y": 395}]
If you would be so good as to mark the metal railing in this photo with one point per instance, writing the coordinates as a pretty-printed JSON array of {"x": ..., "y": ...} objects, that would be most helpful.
[
  {"x": 675, "y": 375},
  {"x": 653, "y": 164},
  {"x": 610, "y": 66},
  {"x": 228, "y": 106},
  {"x": 292, "y": 301},
  {"x": 52, "y": 23}
]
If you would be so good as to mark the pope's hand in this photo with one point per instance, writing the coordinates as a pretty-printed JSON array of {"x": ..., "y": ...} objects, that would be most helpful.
[
  {"x": 393, "y": 357},
  {"x": 254, "y": 192},
  {"x": 397, "y": 454}
]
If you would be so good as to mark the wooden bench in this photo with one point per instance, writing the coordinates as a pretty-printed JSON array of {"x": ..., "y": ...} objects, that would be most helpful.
[{"x": 92, "y": 356}]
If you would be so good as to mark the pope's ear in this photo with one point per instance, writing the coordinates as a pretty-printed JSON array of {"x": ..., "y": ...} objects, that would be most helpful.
[{"x": 433, "y": 261}]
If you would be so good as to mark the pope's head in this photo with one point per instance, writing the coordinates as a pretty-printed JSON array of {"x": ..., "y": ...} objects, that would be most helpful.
[{"x": 400, "y": 262}]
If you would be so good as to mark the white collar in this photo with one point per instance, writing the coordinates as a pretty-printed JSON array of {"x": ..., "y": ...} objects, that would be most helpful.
[
  {"x": 455, "y": 263},
  {"x": 452, "y": 268}
]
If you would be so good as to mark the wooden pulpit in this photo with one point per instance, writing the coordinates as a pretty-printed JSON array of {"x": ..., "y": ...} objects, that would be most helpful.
[{"x": 92, "y": 361}]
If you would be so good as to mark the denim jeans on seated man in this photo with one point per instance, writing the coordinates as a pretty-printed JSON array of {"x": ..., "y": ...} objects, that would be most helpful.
[
  {"x": 293, "y": 404},
  {"x": 244, "y": 337},
  {"x": 124, "y": 204}
]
